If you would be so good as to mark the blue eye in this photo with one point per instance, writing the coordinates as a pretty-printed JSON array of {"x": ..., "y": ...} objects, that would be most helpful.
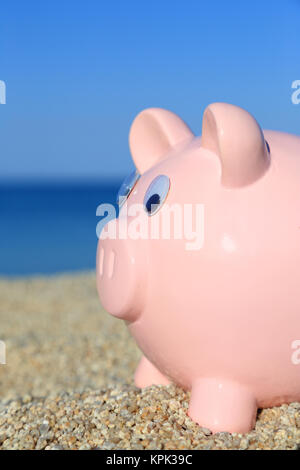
[
  {"x": 126, "y": 187},
  {"x": 156, "y": 194}
]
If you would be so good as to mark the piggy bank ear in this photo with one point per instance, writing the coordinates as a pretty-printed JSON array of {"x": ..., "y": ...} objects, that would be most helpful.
[
  {"x": 153, "y": 134},
  {"x": 236, "y": 137}
]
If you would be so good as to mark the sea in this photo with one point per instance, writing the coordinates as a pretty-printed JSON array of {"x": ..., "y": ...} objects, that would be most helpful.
[{"x": 50, "y": 227}]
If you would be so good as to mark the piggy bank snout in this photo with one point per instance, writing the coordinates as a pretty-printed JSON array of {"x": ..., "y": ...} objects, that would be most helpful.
[{"x": 120, "y": 269}]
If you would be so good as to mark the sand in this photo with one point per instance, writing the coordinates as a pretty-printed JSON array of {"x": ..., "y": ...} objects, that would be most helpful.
[{"x": 68, "y": 382}]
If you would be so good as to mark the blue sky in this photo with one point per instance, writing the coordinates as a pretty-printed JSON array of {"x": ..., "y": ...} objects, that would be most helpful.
[{"x": 77, "y": 73}]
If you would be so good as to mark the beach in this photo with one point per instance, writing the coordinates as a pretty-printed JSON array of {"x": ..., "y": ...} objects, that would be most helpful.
[{"x": 68, "y": 380}]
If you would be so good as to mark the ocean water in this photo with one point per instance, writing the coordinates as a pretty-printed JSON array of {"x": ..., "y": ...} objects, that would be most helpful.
[{"x": 50, "y": 228}]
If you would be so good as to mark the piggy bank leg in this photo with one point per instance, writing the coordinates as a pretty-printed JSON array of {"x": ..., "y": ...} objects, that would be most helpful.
[
  {"x": 222, "y": 406},
  {"x": 146, "y": 374}
]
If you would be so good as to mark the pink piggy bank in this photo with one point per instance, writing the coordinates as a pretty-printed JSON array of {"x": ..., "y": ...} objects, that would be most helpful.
[{"x": 213, "y": 300}]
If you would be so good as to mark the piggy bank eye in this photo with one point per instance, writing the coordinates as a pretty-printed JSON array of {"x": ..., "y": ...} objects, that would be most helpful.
[
  {"x": 156, "y": 194},
  {"x": 126, "y": 187}
]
